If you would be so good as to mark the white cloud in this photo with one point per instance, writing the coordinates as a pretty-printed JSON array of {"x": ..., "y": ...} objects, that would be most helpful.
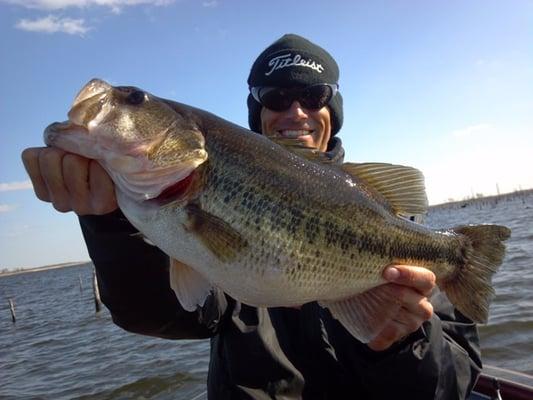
[
  {"x": 4, "y": 208},
  {"x": 210, "y": 3},
  {"x": 53, "y": 24},
  {"x": 115, "y": 5},
  {"x": 471, "y": 130},
  {"x": 12, "y": 186}
]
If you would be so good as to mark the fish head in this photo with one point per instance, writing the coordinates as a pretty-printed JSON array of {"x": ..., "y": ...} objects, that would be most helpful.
[{"x": 144, "y": 143}]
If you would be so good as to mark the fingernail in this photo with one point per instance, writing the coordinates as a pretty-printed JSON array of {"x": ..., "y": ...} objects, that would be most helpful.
[{"x": 391, "y": 274}]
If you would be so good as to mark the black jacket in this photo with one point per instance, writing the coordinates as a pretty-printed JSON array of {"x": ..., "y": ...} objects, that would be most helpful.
[{"x": 279, "y": 353}]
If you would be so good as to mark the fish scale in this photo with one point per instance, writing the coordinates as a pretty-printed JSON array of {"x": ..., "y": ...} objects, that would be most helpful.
[
  {"x": 271, "y": 224},
  {"x": 356, "y": 254}
]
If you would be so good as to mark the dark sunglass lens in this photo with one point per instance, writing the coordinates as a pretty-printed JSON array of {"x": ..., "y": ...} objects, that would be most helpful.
[
  {"x": 276, "y": 99},
  {"x": 280, "y": 99},
  {"x": 316, "y": 97}
]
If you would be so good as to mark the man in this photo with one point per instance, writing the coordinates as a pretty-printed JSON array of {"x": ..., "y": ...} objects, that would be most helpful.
[{"x": 281, "y": 353}]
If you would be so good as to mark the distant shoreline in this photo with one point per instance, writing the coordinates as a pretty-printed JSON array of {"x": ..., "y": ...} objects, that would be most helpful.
[
  {"x": 483, "y": 200},
  {"x": 43, "y": 268}
]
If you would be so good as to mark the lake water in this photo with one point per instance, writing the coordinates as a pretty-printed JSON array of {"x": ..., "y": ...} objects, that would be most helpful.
[{"x": 59, "y": 348}]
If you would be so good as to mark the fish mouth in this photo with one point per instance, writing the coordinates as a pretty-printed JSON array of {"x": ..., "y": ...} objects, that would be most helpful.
[
  {"x": 90, "y": 133},
  {"x": 91, "y": 104},
  {"x": 73, "y": 135},
  {"x": 136, "y": 176},
  {"x": 70, "y": 137},
  {"x": 60, "y": 128},
  {"x": 94, "y": 87}
]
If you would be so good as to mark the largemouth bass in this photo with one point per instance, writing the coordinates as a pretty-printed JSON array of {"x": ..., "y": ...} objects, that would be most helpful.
[{"x": 240, "y": 213}]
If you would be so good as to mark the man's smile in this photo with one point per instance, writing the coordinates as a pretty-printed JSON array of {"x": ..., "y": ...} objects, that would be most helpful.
[{"x": 294, "y": 133}]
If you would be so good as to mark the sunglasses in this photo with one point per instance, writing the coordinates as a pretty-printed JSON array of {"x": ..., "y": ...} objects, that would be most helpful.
[{"x": 312, "y": 97}]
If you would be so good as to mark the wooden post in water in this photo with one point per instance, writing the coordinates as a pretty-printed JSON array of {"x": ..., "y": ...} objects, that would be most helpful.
[
  {"x": 96, "y": 292},
  {"x": 81, "y": 284},
  {"x": 12, "y": 308}
]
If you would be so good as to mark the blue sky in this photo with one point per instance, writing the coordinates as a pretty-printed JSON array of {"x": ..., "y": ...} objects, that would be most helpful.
[{"x": 442, "y": 86}]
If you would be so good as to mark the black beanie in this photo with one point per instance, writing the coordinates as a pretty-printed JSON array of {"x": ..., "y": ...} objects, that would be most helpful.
[{"x": 293, "y": 61}]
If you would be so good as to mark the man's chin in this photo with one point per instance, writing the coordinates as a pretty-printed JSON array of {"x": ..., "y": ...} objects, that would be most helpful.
[
  {"x": 305, "y": 140},
  {"x": 308, "y": 141}
]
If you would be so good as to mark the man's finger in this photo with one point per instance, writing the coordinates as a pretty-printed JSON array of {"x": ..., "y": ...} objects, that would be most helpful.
[
  {"x": 418, "y": 278},
  {"x": 30, "y": 159},
  {"x": 410, "y": 299},
  {"x": 76, "y": 180},
  {"x": 392, "y": 333},
  {"x": 102, "y": 190},
  {"x": 417, "y": 305},
  {"x": 404, "y": 323},
  {"x": 51, "y": 165}
]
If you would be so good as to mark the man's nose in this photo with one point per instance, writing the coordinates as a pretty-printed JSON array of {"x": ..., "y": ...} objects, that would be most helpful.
[{"x": 296, "y": 110}]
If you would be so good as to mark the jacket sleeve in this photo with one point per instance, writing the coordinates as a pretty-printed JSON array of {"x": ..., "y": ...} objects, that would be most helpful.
[
  {"x": 133, "y": 278},
  {"x": 441, "y": 360}
]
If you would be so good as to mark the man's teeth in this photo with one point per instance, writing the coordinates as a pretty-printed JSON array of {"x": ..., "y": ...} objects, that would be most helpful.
[{"x": 293, "y": 134}]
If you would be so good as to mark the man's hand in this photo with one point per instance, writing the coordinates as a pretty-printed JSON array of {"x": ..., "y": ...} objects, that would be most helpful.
[
  {"x": 413, "y": 285},
  {"x": 70, "y": 182}
]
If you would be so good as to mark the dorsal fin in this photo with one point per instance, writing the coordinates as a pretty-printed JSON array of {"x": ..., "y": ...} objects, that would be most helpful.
[{"x": 402, "y": 187}]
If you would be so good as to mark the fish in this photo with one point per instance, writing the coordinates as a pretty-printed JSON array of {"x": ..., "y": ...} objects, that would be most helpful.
[{"x": 270, "y": 222}]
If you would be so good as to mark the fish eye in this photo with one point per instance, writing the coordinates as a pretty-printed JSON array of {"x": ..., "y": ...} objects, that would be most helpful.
[{"x": 135, "y": 98}]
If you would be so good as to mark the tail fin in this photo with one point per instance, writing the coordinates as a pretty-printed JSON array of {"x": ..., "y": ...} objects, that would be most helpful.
[{"x": 470, "y": 289}]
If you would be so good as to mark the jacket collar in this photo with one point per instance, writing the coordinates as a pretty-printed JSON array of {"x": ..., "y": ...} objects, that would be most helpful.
[{"x": 335, "y": 150}]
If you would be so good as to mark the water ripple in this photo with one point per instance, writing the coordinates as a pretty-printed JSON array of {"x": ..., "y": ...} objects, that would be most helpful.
[{"x": 60, "y": 349}]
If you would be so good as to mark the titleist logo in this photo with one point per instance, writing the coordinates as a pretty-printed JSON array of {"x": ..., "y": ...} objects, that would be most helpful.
[{"x": 287, "y": 60}]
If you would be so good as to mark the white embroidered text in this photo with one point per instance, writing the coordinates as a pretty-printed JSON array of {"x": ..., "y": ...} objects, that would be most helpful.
[{"x": 286, "y": 60}]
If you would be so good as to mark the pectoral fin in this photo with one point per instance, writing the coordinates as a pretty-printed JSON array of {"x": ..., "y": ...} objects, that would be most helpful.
[
  {"x": 190, "y": 287},
  {"x": 402, "y": 187},
  {"x": 217, "y": 235},
  {"x": 366, "y": 314}
]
